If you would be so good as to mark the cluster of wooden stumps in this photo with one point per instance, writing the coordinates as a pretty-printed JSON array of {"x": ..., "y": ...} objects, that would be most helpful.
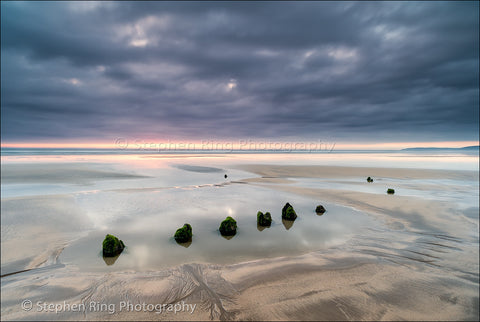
[{"x": 112, "y": 246}]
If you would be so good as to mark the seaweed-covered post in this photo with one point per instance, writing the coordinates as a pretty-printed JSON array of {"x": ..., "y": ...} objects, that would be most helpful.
[
  {"x": 369, "y": 179},
  {"x": 390, "y": 191},
  {"x": 112, "y": 246},
  {"x": 288, "y": 213},
  {"x": 264, "y": 220},
  {"x": 184, "y": 234},
  {"x": 228, "y": 227},
  {"x": 320, "y": 209}
]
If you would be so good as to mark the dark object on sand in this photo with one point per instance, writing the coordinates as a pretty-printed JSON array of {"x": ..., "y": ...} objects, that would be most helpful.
[
  {"x": 320, "y": 209},
  {"x": 369, "y": 179},
  {"x": 184, "y": 234},
  {"x": 112, "y": 246},
  {"x": 390, "y": 191},
  {"x": 264, "y": 220},
  {"x": 288, "y": 213},
  {"x": 228, "y": 227},
  {"x": 226, "y": 176}
]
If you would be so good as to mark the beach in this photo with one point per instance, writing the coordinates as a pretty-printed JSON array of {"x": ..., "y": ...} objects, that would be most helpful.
[
  {"x": 239, "y": 161},
  {"x": 412, "y": 255}
]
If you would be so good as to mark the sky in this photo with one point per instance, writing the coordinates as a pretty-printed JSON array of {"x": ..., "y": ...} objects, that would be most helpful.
[{"x": 381, "y": 73}]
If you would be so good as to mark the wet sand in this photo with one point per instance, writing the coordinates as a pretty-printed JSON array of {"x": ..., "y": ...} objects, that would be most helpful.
[
  {"x": 315, "y": 286},
  {"x": 419, "y": 263},
  {"x": 314, "y": 171}
]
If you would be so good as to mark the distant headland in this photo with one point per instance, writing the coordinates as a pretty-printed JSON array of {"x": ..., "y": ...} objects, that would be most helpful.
[{"x": 472, "y": 147}]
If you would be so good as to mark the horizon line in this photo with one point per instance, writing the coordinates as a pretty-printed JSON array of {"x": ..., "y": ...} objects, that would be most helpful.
[{"x": 260, "y": 145}]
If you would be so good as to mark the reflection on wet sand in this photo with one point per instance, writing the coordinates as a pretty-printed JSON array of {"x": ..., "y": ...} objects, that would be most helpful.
[
  {"x": 262, "y": 228},
  {"x": 186, "y": 244},
  {"x": 227, "y": 237},
  {"x": 287, "y": 223},
  {"x": 110, "y": 260}
]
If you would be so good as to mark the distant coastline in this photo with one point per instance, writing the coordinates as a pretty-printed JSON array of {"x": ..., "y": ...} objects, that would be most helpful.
[
  {"x": 14, "y": 151},
  {"x": 472, "y": 147}
]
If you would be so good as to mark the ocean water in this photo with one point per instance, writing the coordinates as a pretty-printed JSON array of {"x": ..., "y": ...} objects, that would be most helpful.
[{"x": 69, "y": 200}]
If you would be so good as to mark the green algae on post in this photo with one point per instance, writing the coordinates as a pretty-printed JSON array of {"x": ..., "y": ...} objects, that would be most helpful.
[
  {"x": 184, "y": 234},
  {"x": 288, "y": 213},
  {"x": 264, "y": 220},
  {"x": 390, "y": 191},
  {"x": 228, "y": 227},
  {"x": 112, "y": 246}
]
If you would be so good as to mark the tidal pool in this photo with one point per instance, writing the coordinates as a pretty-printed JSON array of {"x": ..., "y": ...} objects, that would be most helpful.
[{"x": 147, "y": 220}]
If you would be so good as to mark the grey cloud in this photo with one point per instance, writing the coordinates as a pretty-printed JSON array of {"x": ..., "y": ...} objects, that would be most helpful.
[{"x": 356, "y": 70}]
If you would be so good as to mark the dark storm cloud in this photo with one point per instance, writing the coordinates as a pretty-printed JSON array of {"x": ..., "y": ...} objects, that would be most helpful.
[{"x": 379, "y": 71}]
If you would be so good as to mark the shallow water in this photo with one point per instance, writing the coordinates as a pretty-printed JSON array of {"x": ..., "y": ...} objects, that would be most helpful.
[
  {"x": 145, "y": 212},
  {"x": 72, "y": 202},
  {"x": 146, "y": 222},
  {"x": 464, "y": 193}
]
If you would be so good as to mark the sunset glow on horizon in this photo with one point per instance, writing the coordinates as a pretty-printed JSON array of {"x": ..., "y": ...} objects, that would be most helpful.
[{"x": 253, "y": 145}]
